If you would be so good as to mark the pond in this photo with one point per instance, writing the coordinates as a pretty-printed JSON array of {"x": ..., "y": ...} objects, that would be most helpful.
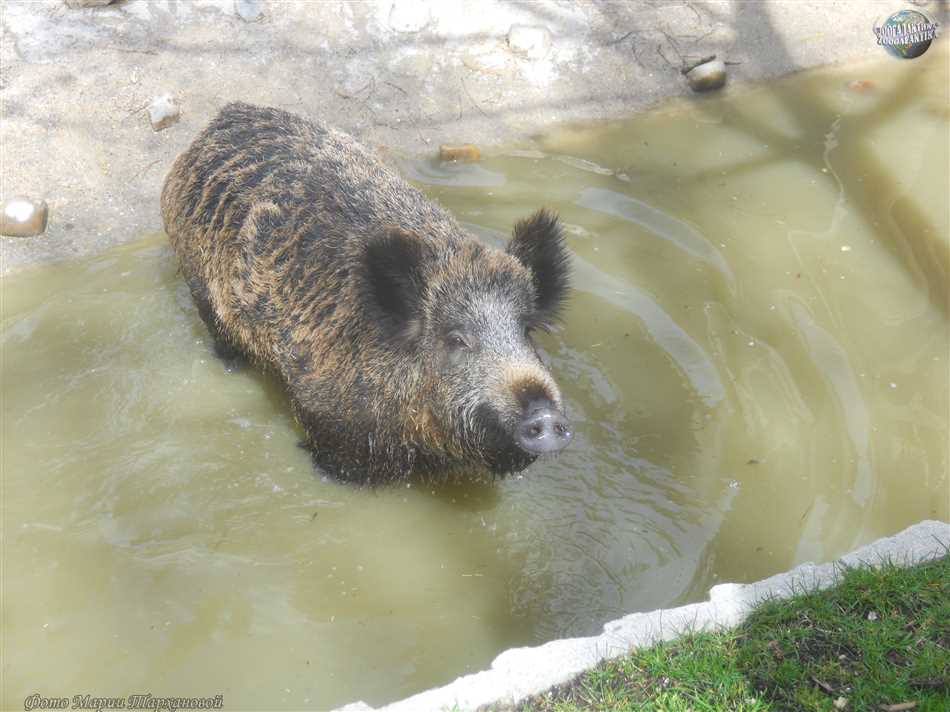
[{"x": 754, "y": 357}]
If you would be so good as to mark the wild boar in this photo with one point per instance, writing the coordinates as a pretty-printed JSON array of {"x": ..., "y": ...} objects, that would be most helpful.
[{"x": 404, "y": 343}]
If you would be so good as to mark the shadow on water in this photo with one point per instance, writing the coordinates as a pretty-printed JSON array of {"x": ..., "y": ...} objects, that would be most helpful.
[{"x": 853, "y": 164}]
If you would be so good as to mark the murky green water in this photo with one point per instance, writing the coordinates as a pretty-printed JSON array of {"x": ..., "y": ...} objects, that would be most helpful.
[{"x": 755, "y": 358}]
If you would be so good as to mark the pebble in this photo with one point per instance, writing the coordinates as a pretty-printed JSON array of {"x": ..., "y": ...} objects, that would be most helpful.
[
  {"x": 76, "y": 4},
  {"x": 711, "y": 75},
  {"x": 248, "y": 10},
  {"x": 532, "y": 41},
  {"x": 22, "y": 217},
  {"x": 163, "y": 112},
  {"x": 459, "y": 152}
]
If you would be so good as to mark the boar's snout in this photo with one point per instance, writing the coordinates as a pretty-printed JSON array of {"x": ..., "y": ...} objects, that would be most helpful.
[{"x": 544, "y": 429}]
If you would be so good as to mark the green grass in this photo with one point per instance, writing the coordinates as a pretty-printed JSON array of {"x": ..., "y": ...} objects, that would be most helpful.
[{"x": 880, "y": 638}]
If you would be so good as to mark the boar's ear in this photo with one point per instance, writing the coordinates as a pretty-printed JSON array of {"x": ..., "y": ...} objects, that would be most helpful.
[
  {"x": 538, "y": 243},
  {"x": 394, "y": 261}
]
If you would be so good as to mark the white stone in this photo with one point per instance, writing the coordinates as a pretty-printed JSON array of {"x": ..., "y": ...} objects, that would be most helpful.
[
  {"x": 22, "y": 217},
  {"x": 531, "y": 41},
  {"x": 410, "y": 15},
  {"x": 163, "y": 112},
  {"x": 711, "y": 75}
]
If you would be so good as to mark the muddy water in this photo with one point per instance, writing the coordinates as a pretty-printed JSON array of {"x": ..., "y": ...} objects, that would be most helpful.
[{"x": 755, "y": 357}]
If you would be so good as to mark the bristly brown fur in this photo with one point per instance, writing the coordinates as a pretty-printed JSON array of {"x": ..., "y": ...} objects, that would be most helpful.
[{"x": 308, "y": 255}]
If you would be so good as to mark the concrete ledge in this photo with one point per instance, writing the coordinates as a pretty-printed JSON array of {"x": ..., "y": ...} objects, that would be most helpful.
[{"x": 521, "y": 672}]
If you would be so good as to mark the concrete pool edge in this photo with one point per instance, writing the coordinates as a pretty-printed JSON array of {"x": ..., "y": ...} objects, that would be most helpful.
[{"x": 518, "y": 673}]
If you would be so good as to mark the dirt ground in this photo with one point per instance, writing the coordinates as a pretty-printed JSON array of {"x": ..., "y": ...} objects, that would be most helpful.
[{"x": 405, "y": 75}]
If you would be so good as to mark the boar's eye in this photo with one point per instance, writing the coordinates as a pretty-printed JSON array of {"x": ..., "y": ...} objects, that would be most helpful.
[{"x": 455, "y": 341}]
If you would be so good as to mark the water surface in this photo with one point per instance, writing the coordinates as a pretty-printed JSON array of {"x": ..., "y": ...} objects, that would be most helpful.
[{"x": 755, "y": 358}]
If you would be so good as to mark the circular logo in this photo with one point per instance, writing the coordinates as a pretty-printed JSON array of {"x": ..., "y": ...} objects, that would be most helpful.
[{"x": 906, "y": 34}]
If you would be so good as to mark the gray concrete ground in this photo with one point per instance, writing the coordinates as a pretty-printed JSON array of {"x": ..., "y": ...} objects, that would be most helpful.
[
  {"x": 405, "y": 75},
  {"x": 522, "y": 672}
]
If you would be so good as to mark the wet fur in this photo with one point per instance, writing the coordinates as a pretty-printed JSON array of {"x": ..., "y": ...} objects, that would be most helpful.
[{"x": 308, "y": 255}]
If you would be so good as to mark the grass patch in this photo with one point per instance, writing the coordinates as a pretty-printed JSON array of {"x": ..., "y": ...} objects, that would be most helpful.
[{"x": 879, "y": 640}]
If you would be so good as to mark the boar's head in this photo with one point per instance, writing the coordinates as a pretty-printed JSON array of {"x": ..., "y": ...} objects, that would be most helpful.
[{"x": 460, "y": 315}]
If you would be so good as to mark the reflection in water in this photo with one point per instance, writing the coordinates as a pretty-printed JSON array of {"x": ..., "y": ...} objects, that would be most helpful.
[
  {"x": 832, "y": 362},
  {"x": 677, "y": 344},
  {"x": 755, "y": 359},
  {"x": 655, "y": 222}
]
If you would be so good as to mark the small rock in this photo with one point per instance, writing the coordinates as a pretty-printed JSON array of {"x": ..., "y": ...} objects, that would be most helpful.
[
  {"x": 409, "y": 15},
  {"x": 840, "y": 703},
  {"x": 711, "y": 75},
  {"x": 459, "y": 152},
  {"x": 532, "y": 41},
  {"x": 163, "y": 112},
  {"x": 22, "y": 217},
  {"x": 77, "y": 4},
  {"x": 248, "y": 10}
]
